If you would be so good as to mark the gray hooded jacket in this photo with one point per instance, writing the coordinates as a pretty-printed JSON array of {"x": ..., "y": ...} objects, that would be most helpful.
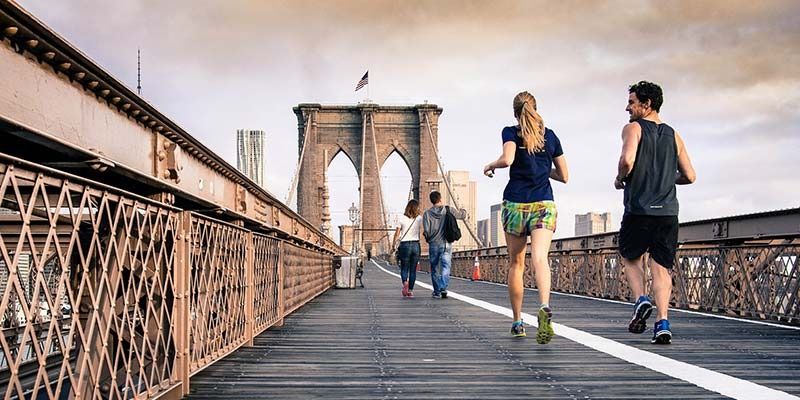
[{"x": 433, "y": 223}]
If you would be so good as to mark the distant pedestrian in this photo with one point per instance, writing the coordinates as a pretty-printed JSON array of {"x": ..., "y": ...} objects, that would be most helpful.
[
  {"x": 440, "y": 251},
  {"x": 653, "y": 160},
  {"x": 532, "y": 151},
  {"x": 406, "y": 241}
]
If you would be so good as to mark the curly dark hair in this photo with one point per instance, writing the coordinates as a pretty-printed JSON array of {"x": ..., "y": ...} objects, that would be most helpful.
[{"x": 648, "y": 91}]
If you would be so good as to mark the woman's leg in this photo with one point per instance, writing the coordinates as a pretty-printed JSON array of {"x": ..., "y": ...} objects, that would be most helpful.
[
  {"x": 540, "y": 248},
  {"x": 516, "y": 267},
  {"x": 402, "y": 255},
  {"x": 412, "y": 265}
]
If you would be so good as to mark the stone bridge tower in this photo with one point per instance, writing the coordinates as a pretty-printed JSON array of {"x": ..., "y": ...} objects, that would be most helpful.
[{"x": 367, "y": 134}]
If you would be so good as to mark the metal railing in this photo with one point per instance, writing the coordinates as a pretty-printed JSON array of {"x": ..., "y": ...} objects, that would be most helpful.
[
  {"x": 106, "y": 294},
  {"x": 756, "y": 278}
]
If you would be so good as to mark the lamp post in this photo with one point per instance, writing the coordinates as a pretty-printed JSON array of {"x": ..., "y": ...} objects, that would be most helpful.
[{"x": 353, "y": 214}]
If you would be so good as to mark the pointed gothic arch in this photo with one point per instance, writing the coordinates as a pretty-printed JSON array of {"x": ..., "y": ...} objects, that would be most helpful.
[{"x": 368, "y": 134}]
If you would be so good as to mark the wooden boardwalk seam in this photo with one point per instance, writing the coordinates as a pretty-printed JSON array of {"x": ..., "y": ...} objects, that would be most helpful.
[{"x": 372, "y": 343}]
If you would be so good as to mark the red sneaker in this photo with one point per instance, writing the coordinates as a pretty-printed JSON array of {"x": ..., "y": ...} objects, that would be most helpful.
[
  {"x": 405, "y": 289},
  {"x": 410, "y": 294}
]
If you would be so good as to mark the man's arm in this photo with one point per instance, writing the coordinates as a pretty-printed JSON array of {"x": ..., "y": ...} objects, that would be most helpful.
[
  {"x": 631, "y": 134},
  {"x": 425, "y": 226},
  {"x": 686, "y": 174}
]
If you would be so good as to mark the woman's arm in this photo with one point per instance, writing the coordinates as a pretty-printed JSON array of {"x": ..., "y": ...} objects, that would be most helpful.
[
  {"x": 396, "y": 238},
  {"x": 505, "y": 160},
  {"x": 560, "y": 172}
]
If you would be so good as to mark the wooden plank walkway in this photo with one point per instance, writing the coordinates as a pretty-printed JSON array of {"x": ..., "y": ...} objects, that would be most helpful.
[{"x": 372, "y": 343}]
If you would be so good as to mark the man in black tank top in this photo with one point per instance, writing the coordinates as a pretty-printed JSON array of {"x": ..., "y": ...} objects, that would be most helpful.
[{"x": 653, "y": 161}]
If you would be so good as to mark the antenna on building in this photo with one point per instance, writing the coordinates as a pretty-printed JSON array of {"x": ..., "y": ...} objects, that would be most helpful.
[{"x": 139, "y": 71}]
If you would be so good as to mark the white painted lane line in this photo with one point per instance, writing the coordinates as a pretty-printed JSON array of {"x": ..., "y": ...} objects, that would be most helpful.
[
  {"x": 749, "y": 321},
  {"x": 723, "y": 384}
]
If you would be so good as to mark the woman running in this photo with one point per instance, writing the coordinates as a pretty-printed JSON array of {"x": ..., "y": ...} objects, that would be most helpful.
[{"x": 532, "y": 151}]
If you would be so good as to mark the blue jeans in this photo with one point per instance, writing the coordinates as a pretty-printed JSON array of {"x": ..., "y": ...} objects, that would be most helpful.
[
  {"x": 407, "y": 257},
  {"x": 441, "y": 258}
]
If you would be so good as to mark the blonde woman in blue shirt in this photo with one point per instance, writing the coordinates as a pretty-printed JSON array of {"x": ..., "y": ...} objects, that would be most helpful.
[{"x": 535, "y": 156}]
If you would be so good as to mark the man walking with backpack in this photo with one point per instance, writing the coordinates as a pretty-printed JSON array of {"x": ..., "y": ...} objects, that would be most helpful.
[{"x": 440, "y": 230}]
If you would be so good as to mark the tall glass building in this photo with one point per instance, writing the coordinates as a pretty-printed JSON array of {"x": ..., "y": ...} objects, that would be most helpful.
[{"x": 250, "y": 154}]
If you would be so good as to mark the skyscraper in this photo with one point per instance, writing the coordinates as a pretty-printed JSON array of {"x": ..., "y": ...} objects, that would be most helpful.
[
  {"x": 483, "y": 232},
  {"x": 465, "y": 192},
  {"x": 250, "y": 154},
  {"x": 496, "y": 234},
  {"x": 591, "y": 223}
]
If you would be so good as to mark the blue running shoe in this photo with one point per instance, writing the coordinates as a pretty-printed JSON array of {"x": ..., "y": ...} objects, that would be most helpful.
[
  {"x": 641, "y": 311},
  {"x": 518, "y": 329},
  {"x": 661, "y": 333}
]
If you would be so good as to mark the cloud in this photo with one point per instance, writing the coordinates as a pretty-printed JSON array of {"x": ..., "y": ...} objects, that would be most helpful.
[{"x": 728, "y": 68}]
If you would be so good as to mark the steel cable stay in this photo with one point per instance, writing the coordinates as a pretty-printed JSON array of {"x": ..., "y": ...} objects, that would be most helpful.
[
  {"x": 380, "y": 187},
  {"x": 467, "y": 218},
  {"x": 293, "y": 186}
]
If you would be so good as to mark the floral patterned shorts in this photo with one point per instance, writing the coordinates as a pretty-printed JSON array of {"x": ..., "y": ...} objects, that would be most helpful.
[{"x": 521, "y": 219}]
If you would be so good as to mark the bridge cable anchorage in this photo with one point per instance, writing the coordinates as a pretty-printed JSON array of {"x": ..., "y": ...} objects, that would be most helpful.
[
  {"x": 293, "y": 186},
  {"x": 467, "y": 217},
  {"x": 380, "y": 187}
]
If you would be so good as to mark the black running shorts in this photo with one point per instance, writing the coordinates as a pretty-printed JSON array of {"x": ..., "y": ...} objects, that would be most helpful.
[{"x": 646, "y": 233}]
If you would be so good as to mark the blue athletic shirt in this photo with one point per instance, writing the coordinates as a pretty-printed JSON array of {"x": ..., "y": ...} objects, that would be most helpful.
[{"x": 529, "y": 176}]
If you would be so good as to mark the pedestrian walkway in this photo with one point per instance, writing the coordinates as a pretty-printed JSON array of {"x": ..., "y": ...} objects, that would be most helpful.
[{"x": 372, "y": 343}]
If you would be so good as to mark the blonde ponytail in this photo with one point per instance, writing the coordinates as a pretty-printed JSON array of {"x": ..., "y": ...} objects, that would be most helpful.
[{"x": 531, "y": 125}]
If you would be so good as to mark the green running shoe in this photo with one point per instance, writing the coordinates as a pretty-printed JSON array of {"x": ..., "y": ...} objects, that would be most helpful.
[{"x": 545, "y": 331}]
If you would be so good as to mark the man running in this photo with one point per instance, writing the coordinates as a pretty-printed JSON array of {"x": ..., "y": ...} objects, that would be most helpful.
[{"x": 654, "y": 160}]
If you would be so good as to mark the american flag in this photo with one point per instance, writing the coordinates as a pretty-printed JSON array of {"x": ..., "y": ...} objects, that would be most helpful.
[{"x": 363, "y": 82}]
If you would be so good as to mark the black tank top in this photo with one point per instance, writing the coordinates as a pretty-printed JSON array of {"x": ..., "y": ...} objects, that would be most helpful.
[{"x": 650, "y": 187}]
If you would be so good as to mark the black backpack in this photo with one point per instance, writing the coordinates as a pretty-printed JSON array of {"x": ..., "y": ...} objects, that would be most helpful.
[{"x": 451, "y": 230}]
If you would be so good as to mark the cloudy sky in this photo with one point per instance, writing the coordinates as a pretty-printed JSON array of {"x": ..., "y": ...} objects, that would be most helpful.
[{"x": 729, "y": 70}]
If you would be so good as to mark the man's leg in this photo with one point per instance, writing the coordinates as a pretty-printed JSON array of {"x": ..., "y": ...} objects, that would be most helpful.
[
  {"x": 634, "y": 239},
  {"x": 446, "y": 260},
  {"x": 634, "y": 272},
  {"x": 662, "y": 288},
  {"x": 434, "y": 254},
  {"x": 662, "y": 259}
]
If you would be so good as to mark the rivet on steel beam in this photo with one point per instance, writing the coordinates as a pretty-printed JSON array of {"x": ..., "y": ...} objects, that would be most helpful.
[
  {"x": 65, "y": 65},
  {"x": 104, "y": 92},
  {"x": 116, "y": 99},
  {"x": 145, "y": 117},
  {"x": 159, "y": 128},
  {"x": 49, "y": 55},
  {"x": 32, "y": 43},
  {"x": 126, "y": 106},
  {"x": 92, "y": 84},
  {"x": 166, "y": 174},
  {"x": 79, "y": 75},
  {"x": 11, "y": 31},
  {"x": 153, "y": 122},
  {"x": 135, "y": 112}
]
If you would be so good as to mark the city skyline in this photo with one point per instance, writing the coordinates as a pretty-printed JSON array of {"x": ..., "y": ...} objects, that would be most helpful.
[{"x": 715, "y": 61}]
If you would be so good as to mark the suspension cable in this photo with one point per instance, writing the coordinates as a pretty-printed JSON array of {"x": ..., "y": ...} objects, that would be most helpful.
[
  {"x": 447, "y": 183},
  {"x": 293, "y": 187},
  {"x": 380, "y": 186}
]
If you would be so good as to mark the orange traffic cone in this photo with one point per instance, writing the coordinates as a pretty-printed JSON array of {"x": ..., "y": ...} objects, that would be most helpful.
[{"x": 476, "y": 270}]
